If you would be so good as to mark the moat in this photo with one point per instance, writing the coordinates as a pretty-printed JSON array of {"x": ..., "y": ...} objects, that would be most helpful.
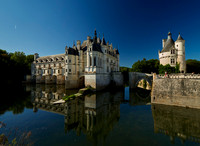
[{"x": 105, "y": 118}]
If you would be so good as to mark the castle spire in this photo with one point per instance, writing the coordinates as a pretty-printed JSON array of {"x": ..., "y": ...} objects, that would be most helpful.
[
  {"x": 103, "y": 40},
  {"x": 169, "y": 35},
  {"x": 179, "y": 37},
  {"x": 95, "y": 36}
]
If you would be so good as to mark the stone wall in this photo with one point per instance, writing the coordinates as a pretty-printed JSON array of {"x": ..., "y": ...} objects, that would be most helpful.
[
  {"x": 101, "y": 81},
  {"x": 118, "y": 79},
  {"x": 178, "y": 90}
]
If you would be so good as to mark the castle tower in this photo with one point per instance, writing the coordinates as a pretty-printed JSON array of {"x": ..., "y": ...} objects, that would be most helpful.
[{"x": 180, "y": 47}]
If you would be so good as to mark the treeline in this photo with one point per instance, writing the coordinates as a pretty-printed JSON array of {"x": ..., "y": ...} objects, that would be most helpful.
[
  {"x": 153, "y": 65},
  {"x": 14, "y": 66}
]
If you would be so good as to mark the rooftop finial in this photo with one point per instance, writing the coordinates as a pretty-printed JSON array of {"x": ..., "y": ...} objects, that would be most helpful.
[{"x": 95, "y": 32}]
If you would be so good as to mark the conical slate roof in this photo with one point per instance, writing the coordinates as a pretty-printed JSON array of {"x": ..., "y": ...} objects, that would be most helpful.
[
  {"x": 180, "y": 37},
  {"x": 168, "y": 45}
]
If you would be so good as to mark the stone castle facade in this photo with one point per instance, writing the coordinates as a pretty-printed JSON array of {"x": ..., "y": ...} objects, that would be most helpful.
[
  {"x": 173, "y": 53},
  {"x": 94, "y": 63}
]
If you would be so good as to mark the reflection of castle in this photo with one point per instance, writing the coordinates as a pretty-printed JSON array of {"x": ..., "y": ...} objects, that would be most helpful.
[
  {"x": 94, "y": 115},
  {"x": 178, "y": 122}
]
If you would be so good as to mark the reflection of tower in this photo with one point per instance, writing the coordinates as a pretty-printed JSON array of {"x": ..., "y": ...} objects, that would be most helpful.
[{"x": 102, "y": 111}]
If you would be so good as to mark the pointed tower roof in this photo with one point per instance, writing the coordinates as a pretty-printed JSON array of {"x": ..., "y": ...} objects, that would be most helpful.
[
  {"x": 180, "y": 37},
  {"x": 95, "y": 36},
  {"x": 168, "y": 44},
  {"x": 103, "y": 41}
]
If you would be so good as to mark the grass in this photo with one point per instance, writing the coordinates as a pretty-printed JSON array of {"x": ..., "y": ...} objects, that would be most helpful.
[{"x": 81, "y": 92}]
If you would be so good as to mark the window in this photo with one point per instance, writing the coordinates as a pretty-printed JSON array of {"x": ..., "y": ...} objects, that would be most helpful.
[
  {"x": 66, "y": 60},
  {"x": 69, "y": 60},
  {"x": 172, "y": 61},
  {"x": 94, "y": 61},
  {"x": 90, "y": 61},
  {"x": 58, "y": 71},
  {"x": 172, "y": 51},
  {"x": 66, "y": 70},
  {"x": 54, "y": 71},
  {"x": 54, "y": 65},
  {"x": 69, "y": 70}
]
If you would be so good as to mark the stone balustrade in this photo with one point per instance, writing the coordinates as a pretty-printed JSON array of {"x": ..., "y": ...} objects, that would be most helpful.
[{"x": 179, "y": 76}]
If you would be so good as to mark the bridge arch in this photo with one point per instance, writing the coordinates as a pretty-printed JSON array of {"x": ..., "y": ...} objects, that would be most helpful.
[{"x": 136, "y": 77}]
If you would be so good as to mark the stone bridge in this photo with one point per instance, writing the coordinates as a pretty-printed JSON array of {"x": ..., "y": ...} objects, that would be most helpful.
[{"x": 136, "y": 77}]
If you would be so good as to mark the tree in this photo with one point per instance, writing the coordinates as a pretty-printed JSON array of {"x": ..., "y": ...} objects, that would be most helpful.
[
  {"x": 15, "y": 66},
  {"x": 146, "y": 66},
  {"x": 167, "y": 68},
  {"x": 193, "y": 66},
  {"x": 18, "y": 57}
]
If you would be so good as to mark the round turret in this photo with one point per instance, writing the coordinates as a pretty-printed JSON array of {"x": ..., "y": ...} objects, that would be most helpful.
[{"x": 180, "y": 47}]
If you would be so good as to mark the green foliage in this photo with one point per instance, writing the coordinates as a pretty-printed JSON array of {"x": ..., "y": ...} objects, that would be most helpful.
[
  {"x": 19, "y": 58},
  {"x": 66, "y": 98},
  {"x": 125, "y": 71},
  {"x": 167, "y": 68},
  {"x": 193, "y": 66},
  {"x": 146, "y": 66},
  {"x": 15, "y": 65}
]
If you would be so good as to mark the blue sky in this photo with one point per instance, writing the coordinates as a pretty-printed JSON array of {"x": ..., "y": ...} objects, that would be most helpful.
[{"x": 135, "y": 27}]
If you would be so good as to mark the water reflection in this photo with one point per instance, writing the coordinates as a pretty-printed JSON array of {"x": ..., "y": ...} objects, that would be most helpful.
[
  {"x": 94, "y": 115},
  {"x": 14, "y": 98},
  {"x": 179, "y": 122},
  {"x": 139, "y": 96}
]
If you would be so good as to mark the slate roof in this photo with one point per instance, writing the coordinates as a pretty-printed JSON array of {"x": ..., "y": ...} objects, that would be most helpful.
[
  {"x": 179, "y": 37},
  {"x": 168, "y": 45},
  {"x": 117, "y": 51},
  {"x": 72, "y": 51},
  {"x": 97, "y": 47},
  {"x": 84, "y": 48}
]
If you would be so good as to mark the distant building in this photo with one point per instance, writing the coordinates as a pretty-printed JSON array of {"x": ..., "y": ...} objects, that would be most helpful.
[
  {"x": 173, "y": 53},
  {"x": 90, "y": 63}
]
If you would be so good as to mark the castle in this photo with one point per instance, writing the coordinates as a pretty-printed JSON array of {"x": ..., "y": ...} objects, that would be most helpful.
[
  {"x": 94, "y": 63},
  {"x": 173, "y": 53}
]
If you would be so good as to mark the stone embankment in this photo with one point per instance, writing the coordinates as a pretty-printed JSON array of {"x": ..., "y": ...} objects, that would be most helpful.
[{"x": 176, "y": 89}]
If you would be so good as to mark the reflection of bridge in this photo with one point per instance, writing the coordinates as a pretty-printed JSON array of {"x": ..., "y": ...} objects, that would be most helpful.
[
  {"x": 180, "y": 122},
  {"x": 136, "y": 77}
]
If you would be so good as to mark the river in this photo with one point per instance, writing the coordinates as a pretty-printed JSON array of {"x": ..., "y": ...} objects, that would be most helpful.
[{"x": 119, "y": 117}]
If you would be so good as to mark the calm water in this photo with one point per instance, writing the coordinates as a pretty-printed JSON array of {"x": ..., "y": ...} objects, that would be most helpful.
[{"x": 105, "y": 118}]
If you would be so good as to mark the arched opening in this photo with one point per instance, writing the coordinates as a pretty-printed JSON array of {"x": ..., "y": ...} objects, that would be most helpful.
[{"x": 143, "y": 83}]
